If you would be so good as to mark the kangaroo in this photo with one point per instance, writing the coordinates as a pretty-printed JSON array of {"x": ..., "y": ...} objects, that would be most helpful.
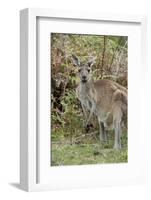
[{"x": 104, "y": 98}]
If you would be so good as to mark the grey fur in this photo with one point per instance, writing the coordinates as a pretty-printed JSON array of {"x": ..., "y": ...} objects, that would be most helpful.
[{"x": 104, "y": 98}]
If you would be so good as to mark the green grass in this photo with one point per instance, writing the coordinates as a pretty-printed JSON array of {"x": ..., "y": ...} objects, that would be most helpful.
[
  {"x": 70, "y": 145},
  {"x": 66, "y": 153},
  {"x": 86, "y": 154}
]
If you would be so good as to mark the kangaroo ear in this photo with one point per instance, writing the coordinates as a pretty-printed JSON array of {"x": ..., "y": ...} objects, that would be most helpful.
[
  {"x": 91, "y": 61},
  {"x": 76, "y": 60}
]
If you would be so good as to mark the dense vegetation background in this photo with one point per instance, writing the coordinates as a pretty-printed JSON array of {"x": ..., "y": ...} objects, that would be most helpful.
[{"x": 70, "y": 143}]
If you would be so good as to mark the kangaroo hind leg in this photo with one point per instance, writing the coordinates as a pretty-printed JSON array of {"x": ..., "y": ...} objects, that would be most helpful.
[
  {"x": 117, "y": 127},
  {"x": 102, "y": 132}
]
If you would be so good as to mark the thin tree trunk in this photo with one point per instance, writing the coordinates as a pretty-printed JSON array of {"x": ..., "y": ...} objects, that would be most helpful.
[{"x": 103, "y": 56}]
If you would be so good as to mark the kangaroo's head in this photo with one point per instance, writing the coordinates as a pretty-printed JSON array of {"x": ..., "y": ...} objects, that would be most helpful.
[{"x": 84, "y": 69}]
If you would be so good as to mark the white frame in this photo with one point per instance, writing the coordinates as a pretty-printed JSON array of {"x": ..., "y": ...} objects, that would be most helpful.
[{"x": 28, "y": 82}]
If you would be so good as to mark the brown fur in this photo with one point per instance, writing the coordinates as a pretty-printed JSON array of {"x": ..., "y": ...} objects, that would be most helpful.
[{"x": 104, "y": 98}]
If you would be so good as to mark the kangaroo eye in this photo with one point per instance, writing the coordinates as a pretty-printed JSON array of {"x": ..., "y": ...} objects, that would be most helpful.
[
  {"x": 88, "y": 70},
  {"x": 79, "y": 70}
]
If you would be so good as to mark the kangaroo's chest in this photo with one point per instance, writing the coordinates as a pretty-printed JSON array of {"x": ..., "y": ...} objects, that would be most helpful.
[
  {"x": 83, "y": 94},
  {"x": 85, "y": 100}
]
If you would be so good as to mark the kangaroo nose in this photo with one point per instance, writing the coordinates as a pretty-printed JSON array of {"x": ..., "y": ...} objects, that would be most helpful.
[{"x": 84, "y": 77}]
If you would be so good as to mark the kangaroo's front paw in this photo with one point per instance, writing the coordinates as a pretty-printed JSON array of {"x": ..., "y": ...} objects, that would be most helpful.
[{"x": 88, "y": 127}]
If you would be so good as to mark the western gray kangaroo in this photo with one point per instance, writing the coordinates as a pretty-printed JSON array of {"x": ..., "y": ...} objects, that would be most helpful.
[{"x": 104, "y": 98}]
